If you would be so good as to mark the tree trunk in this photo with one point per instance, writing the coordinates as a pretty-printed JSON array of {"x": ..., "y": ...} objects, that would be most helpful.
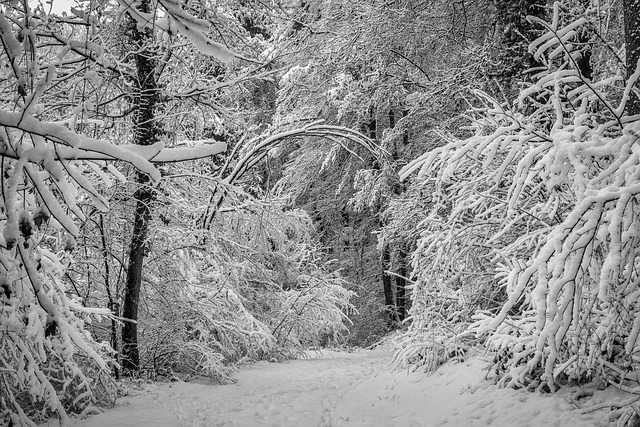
[
  {"x": 112, "y": 304},
  {"x": 385, "y": 261},
  {"x": 514, "y": 33},
  {"x": 143, "y": 197},
  {"x": 145, "y": 133},
  {"x": 386, "y": 285},
  {"x": 401, "y": 284},
  {"x": 632, "y": 42}
]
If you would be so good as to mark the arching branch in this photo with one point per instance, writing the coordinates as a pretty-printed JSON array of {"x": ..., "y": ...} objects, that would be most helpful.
[{"x": 316, "y": 129}]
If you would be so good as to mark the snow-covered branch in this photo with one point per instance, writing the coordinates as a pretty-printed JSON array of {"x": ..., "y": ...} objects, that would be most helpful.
[
  {"x": 546, "y": 201},
  {"x": 175, "y": 20},
  {"x": 314, "y": 129}
]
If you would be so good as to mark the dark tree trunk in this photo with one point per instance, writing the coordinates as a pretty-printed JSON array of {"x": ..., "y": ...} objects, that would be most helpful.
[
  {"x": 145, "y": 133},
  {"x": 392, "y": 124},
  {"x": 111, "y": 304},
  {"x": 143, "y": 197},
  {"x": 401, "y": 284},
  {"x": 514, "y": 33},
  {"x": 385, "y": 261},
  {"x": 632, "y": 42},
  {"x": 372, "y": 125},
  {"x": 386, "y": 285},
  {"x": 405, "y": 134}
]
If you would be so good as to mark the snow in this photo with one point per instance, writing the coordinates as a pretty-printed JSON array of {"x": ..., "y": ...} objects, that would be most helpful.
[{"x": 339, "y": 388}]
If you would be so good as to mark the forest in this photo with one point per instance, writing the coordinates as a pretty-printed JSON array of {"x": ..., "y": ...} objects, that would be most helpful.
[{"x": 188, "y": 186}]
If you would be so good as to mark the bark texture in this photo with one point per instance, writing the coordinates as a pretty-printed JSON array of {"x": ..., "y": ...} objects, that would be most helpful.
[
  {"x": 145, "y": 133},
  {"x": 632, "y": 43}
]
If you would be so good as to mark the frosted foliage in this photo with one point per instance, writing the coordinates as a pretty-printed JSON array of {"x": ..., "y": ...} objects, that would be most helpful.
[
  {"x": 534, "y": 228},
  {"x": 253, "y": 288},
  {"x": 264, "y": 266},
  {"x": 45, "y": 356},
  {"x": 176, "y": 19},
  {"x": 49, "y": 364}
]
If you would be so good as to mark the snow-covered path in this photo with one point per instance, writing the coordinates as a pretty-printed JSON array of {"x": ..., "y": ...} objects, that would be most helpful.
[{"x": 347, "y": 389}]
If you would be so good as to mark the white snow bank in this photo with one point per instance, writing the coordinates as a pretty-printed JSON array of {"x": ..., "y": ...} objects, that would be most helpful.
[{"x": 351, "y": 389}]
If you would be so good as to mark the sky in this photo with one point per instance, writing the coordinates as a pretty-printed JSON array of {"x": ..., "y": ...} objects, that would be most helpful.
[{"x": 59, "y": 6}]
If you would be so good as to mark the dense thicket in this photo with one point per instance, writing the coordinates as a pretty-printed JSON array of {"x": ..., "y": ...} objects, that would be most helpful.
[{"x": 530, "y": 240}]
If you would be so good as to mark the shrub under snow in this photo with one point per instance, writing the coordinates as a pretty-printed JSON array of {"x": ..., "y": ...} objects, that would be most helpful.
[{"x": 535, "y": 227}]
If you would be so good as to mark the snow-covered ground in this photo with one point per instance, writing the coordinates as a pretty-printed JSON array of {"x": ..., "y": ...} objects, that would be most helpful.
[{"x": 354, "y": 389}]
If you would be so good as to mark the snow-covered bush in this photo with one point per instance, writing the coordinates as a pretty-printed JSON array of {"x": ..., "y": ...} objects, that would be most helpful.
[
  {"x": 541, "y": 204},
  {"x": 266, "y": 256},
  {"x": 49, "y": 364},
  {"x": 252, "y": 288},
  {"x": 312, "y": 312},
  {"x": 49, "y": 172}
]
